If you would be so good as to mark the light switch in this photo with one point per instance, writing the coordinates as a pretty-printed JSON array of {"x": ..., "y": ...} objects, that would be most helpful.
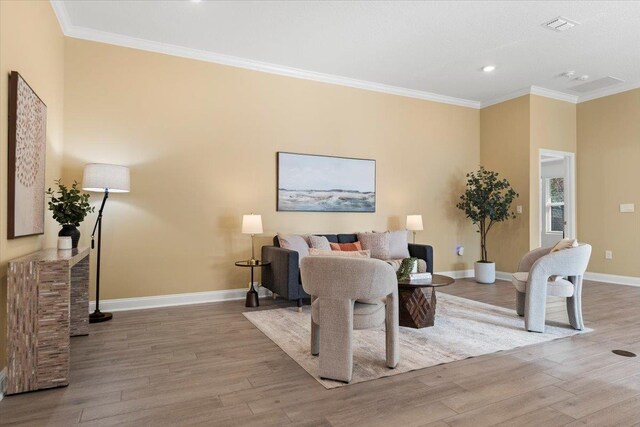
[
  {"x": 519, "y": 209},
  {"x": 627, "y": 207},
  {"x": 608, "y": 255}
]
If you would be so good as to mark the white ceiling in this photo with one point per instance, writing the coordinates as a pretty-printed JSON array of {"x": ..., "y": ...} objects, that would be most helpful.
[{"x": 432, "y": 50}]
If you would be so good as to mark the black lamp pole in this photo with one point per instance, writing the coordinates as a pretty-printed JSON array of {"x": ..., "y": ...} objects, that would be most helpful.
[{"x": 98, "y": 316}]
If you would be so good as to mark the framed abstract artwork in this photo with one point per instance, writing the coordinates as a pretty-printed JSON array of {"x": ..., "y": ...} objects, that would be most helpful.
[
  {"x": 313, "y": 183},
  {"x": 27, "y": 146}
]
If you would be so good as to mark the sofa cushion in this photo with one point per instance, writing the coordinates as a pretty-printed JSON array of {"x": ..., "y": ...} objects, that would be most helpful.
[
  {"x": 319, "y": 242},
  {"x": 347, "y": 238},
  {"x": 398, "y": 244},
  {"x": 377, "y": 243},
  {"x": 294, "y": 242},
  {"x": 355, "y": 246},
  {"x": 353, "y": 254}
]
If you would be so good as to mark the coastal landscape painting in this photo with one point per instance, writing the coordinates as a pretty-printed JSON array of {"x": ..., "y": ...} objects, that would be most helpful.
[{"x": 312, "y": 183}]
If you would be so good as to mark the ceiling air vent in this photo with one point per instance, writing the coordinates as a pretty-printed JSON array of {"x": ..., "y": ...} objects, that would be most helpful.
[
  {"x": 560, "y": 24},
  {"x": 596, "y": 84}
]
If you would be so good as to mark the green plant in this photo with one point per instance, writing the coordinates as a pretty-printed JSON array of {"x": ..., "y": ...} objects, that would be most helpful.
[
  {"x": 70, "y": 206},
  {"x": 404, "y": 272},
  {"x": 486, "y": 201}
]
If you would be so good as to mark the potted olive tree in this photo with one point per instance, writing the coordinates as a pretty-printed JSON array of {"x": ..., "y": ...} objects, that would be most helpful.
[
  {"x": 69, "y": 207},
  {"x": 486, "y": 202}
]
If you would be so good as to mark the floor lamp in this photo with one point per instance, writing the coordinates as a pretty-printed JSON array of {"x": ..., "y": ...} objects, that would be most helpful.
[{"x": 103, "y": 178}]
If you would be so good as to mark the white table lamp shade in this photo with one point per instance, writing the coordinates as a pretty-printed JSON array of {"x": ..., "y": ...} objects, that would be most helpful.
[
  {"x": 100, "y": 177},
  {"x": 251, "y": 224},
  {"x": 414, "y": 222}
]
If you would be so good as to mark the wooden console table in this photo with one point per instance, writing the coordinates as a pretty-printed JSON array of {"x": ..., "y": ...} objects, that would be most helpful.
[{"x": 47, "y": 302}]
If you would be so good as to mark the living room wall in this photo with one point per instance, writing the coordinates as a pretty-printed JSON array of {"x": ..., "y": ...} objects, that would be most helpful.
[
  {"x": 201, "y": 140},
  {"x": 31, "y": 43},
  {"x": 608, "y": 175},
  {"x": 512, "y": 134}
]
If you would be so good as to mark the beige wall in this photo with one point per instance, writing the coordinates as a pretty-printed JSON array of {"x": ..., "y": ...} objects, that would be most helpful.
[
  {"x": 504, "y": 148},
  {"x": 552, "y": 127},
  {"x": 31, "y": 43},
  {"x": 201, "y": 140},
  {"x": 608, "y": 174}
]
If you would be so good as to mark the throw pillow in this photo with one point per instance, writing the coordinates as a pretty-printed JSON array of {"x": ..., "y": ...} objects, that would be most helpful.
[
  {"x": 355, "y": 246},
  {"x": 565, "y": 244},
  {"x": 319, "y": 242},
  {"x": 352, "y": 254},
  {"x": 294, "y": 242},
  {"x": 377, "y": 243},
  {"x": 398, "y": 244}
]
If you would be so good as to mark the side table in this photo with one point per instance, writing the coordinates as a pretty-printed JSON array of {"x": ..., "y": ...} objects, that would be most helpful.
[{"x": 252, "y": 294}]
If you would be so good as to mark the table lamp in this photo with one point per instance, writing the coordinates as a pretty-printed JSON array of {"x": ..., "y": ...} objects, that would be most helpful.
[
  {"x": 252, "y": 224},
  {"x": 103, "y": 178},
  {"x": 414, "y": 223}
]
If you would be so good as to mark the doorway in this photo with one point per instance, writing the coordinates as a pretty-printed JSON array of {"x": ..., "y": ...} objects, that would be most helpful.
[{"x": 557, "y": 197}]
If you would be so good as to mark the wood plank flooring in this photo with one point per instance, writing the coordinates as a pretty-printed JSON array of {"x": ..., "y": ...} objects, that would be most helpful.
[{"x": 207, "y": 365}]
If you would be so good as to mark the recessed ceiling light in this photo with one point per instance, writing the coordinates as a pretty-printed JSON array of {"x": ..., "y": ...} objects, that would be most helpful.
[
  {"x": 568, "y": 74},
  {"x": 488, "y": 68}
]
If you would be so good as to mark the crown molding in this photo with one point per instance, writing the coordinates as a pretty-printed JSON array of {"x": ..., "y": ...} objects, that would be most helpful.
[
  {"x": 624, "y": 87},
  {"x": 553, "y": 94},
  {"x": 73, "y": 31},
  {"x": 507, "y": 97}
]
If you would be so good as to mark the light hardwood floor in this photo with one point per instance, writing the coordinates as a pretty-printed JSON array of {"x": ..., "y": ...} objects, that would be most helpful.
[{"x": 205, "y": 364}]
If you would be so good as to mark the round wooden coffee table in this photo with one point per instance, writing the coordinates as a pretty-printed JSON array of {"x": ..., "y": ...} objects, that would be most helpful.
[{"x": 418, "y": 300}]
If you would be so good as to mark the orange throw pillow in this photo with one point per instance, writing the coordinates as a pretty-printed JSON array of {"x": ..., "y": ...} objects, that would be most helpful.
[{"x": 355, "y": 246}]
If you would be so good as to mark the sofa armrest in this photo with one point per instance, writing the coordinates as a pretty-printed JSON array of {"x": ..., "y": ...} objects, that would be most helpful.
[
  {"x": 424, "y": 252},
  {"x": 282, "y": 276}
]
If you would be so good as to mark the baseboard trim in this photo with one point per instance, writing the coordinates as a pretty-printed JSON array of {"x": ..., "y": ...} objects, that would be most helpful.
[
  {"x": 457, "y": 274},
  {"x": 140, "y": 303},
  {"x": 596, "y": 277},
  {"x": 613, "y": 278},
  {"x": 3, "y": 382}
]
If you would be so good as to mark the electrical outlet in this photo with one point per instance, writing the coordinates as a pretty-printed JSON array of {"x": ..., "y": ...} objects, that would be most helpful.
[
  {"x": 627, "y": 207},
  {"x": 460, "y": 250},
  {"x": 608, "y": 255},
  {"x": 519, "y": 209}
]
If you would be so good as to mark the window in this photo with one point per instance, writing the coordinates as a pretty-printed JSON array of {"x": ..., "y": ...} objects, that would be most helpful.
[{"x": 554, "y": 191}]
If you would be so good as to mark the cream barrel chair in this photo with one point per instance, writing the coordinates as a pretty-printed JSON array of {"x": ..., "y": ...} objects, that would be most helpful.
[
  {"x": 535, "y": 281},
  {"x": 348, "y": 294}
]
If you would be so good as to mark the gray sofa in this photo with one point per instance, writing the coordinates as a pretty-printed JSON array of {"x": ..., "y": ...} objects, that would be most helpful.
[{"x": 282, "y": 276}]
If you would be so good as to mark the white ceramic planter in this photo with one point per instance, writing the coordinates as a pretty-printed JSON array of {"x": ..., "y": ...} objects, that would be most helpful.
[{"x": 485, "y": 272}]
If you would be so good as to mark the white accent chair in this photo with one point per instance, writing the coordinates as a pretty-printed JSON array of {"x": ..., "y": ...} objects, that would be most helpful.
[
  {"x": 540, "y": 274},
  {"x": 348, "y": 294}
]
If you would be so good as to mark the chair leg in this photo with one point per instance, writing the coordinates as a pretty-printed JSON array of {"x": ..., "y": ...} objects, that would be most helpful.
[
  {"x": 520, "y": 302},
  {"x": 336, "y": 353},
  {"x": 574, "y": 304},
  {"x": 392, "y": 330},
  {"x": 315, "y": 338},
  {"x": 299, "y": 305},
  {"x": 534, "y": 309}
]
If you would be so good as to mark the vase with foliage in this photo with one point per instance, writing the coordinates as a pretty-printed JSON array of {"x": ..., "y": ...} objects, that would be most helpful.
[
  {"x": 69, "y": 206},
  {"x": 486, "y": 201}
]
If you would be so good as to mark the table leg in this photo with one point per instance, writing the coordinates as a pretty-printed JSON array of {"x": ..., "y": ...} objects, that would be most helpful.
[
  {"x": 417, "y": 307},
  {"x": 252, "y": 295}
]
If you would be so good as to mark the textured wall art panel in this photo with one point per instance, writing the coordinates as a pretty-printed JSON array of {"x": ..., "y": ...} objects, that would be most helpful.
[{"x": 27, "y": 146}]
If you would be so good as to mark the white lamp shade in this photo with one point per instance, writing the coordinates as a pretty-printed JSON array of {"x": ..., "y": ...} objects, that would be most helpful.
[
  {"x": 251, "y": 224},
  {"x": 100, "y": 177},
  {"x": 414, "y": 222}
]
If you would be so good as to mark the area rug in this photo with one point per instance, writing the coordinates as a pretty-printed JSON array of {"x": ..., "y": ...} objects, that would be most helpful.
[{"x": 463, "y": 328}]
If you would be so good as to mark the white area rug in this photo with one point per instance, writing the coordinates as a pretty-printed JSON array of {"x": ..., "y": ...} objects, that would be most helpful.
[{"x": 463, "y": 328}]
